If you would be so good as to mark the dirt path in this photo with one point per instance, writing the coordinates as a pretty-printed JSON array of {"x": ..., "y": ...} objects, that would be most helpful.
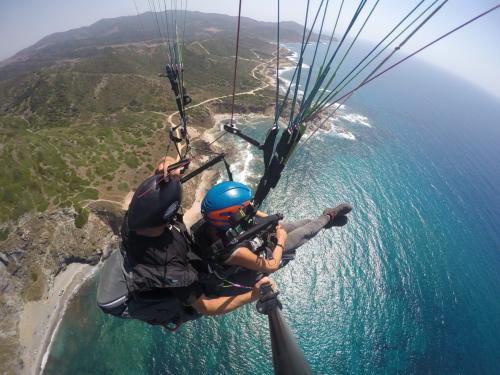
[
  {"x": 123, "y": 204},
  {"x": 202, "y": 47},
  {"x": 265, "y": 85},
  {"x": 101, "y": 200},
  {"x": 100, "y": 86},
  {"x": 266, "y": 82}
]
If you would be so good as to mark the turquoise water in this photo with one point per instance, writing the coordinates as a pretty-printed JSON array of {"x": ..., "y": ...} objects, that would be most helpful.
[{"x": 410, "y": 285}]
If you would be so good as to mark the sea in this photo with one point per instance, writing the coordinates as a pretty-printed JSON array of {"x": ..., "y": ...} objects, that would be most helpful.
[{"x": 410, "y": 285}]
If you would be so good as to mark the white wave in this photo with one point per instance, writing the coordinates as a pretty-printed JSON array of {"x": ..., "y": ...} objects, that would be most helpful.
[
  {"x": 286, "y": 69},
  {"x": 342, "y": 133},
  {"x": 342, "y": 106},
  {"x": 284, "y": 83},
  {"x": 65, "y": 304},
  {"x": 242, "y": 168},
  {"x": 305, "y": 66},
  {"x": 294, "y": 57},
  {"x": 246, "y": 172},
  {"x": 330, "y": 127},
  {"x": 335, "y": 107},
  {"x": 357, "y": 119}
]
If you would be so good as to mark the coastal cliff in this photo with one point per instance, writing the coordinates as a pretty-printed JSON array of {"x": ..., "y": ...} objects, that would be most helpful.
[
  {"x": 72, "y": 165},
  {"x": 42, "y": 247},
  {"x": 47, "y": 247}
]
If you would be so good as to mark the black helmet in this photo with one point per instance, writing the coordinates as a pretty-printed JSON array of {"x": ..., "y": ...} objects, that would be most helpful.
[{"x": 154, "y": 203}]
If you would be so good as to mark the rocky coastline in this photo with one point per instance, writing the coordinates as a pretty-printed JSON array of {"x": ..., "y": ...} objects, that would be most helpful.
[{"x": 47, "y": 258}]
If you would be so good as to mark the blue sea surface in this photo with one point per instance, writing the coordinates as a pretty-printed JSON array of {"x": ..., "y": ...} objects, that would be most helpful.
[{"x": 409, "y": 286}]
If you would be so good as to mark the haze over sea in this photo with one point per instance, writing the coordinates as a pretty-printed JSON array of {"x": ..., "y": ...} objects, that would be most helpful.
[{"x": 409, "y": 286}]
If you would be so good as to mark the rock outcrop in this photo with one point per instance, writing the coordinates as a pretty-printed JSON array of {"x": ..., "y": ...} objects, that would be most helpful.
[{"x": 41, "y": 246}]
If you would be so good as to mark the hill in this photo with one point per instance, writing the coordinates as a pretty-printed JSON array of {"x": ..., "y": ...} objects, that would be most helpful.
[
  {"x": 81, "y": 110},
  {"x": 84, "y": 118}
]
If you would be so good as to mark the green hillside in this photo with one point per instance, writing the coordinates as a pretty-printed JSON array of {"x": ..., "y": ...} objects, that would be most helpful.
[{"x": 91, "y": 122}]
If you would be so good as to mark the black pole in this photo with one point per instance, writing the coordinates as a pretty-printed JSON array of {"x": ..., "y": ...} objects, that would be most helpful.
[
  {"x": 205, "y": 166},
  {"x": 288, "y": 359},
  {"x": 287, "y": 356},
  {"x": 230, "y": 128}
]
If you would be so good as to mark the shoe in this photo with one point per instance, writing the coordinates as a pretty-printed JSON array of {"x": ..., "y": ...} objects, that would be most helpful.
[
  {"x": 341, "y": 210},
  {"x": 337, "y": 215}
]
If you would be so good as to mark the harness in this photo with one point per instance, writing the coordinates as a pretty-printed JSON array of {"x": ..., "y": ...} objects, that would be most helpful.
[
  {"x": 259, "y": 237},
  {"x": 158, "y": 263},
  {"x": 125, "y": 283}
]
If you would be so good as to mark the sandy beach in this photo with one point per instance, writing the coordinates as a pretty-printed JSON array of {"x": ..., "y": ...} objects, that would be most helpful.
[{"x": 40, "y": 319}]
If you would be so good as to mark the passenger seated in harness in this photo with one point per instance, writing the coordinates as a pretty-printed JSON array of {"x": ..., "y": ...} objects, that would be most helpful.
[
  {"x": 154, "y": 277},
  {"x": 240, "y": 244}
]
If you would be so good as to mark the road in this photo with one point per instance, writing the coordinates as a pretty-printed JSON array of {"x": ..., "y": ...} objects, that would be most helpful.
[
  {"x": 266, "y": 82},
  {"x": 265, "y": 85}
]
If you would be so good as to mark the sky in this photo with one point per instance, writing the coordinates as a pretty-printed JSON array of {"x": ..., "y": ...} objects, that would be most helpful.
[{"x": 472, "y": 53}]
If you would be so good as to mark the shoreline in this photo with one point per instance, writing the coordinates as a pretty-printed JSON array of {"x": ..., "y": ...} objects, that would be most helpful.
[
  {"x": 41, "y": 319},
  {"x": 36, "y": 334},
  {"x": 84, "y": 276},
  {"x": 209, "y": 177}
]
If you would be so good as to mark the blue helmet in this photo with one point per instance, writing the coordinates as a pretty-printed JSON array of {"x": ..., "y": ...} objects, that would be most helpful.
[{"x": 222, "y": 200}]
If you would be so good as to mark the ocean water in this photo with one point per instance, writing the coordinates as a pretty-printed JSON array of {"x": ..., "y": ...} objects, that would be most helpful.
[{"x": 409, "y": 286}]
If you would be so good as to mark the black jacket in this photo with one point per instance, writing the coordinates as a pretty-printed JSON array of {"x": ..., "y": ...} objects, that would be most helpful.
[{"x": 158, "y": 262}]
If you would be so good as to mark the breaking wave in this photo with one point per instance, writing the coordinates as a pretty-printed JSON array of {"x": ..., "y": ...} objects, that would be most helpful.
[{"x": 355, "y": 118}]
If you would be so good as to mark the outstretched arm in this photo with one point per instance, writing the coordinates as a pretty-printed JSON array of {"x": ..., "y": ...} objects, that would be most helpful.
[
  {"x": 223, "y": 305},
  {"x": 244, "y": 257}
]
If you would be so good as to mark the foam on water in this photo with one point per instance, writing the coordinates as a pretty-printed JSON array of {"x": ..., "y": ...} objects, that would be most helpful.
[
  {"x": 286, "y": 69},
  {"x": 242, "y": 168},
  {"x": 355, "y": 118},
  {"x": 408, "y": 286},
  {"x": 342, "y": 133},
  {"x": 330, "y": 128},
  {"x": 342, "y": 106},
  {"x": 294, "y": 56}
]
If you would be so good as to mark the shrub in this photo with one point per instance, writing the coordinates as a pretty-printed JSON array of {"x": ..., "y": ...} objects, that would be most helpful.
[
  {"x": 123, "y": 186},
  {"x": 86, "y": 194},
  {"x": 131, "y": 161},
  {"x": 4, "y": 233},
  {"x": 82, "y": 216}
]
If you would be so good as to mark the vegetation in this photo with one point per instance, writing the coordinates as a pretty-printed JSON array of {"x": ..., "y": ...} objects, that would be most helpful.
[
  {"x": 83, "y": 117},
  {"x": 52, "y": 166},
  {"x": 8, "y": 349},
  {"x": 34, "y": 285},
  {"x": 82, "y": 217},
  {"x": 200, "y": 116},
  {"x": 4, "y": 234},
  {"x": 123, "y": 186},
  {"x": 79, "y": 126}
]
